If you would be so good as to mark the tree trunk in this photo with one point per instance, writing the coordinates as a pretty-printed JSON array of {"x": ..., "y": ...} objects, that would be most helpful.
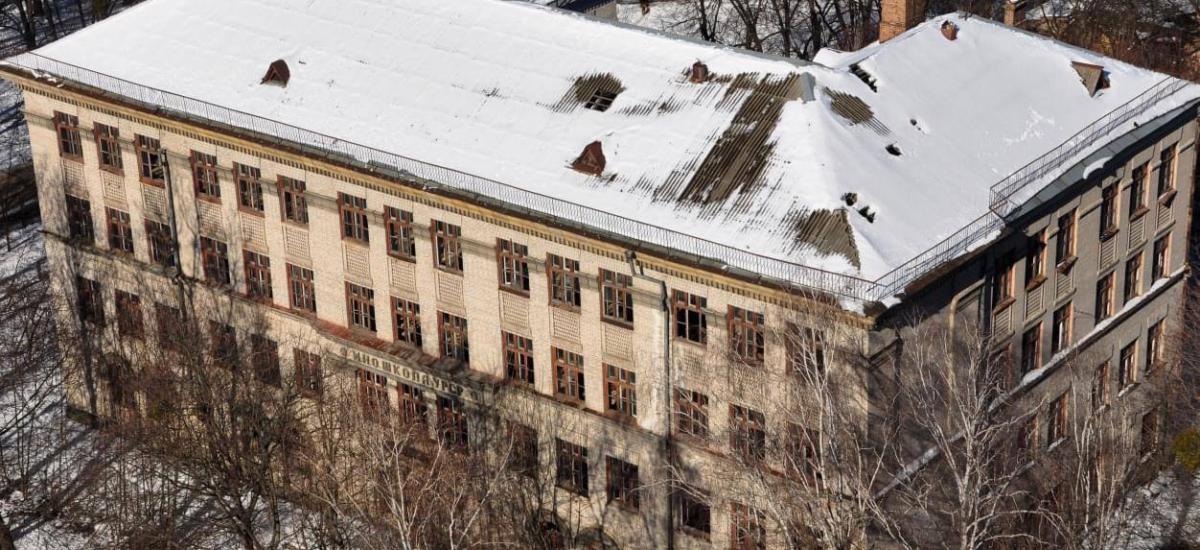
[{"x": 6, "y": 536}]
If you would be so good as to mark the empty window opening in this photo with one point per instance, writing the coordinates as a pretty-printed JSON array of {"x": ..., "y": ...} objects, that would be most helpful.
[{"x": 864, "y": 76}]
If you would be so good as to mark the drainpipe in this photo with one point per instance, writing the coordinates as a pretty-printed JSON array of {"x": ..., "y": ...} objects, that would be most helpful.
[{"x": 177, "y": 278}]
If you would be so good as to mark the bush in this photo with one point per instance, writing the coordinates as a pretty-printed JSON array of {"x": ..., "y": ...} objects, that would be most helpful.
[{"x": 1187, "y": 449}]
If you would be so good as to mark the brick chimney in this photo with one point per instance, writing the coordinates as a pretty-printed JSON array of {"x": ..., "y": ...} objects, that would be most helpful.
[
  {"x": 899, "y": 16},
  {"x": 1014, "y": 12}
]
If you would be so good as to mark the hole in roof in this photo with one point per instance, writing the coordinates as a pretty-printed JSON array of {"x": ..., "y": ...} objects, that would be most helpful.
[
  {"x": 601, "y": 100},
  {"x": 864, "y": 76},
  {"x": 894, "y": 150}
]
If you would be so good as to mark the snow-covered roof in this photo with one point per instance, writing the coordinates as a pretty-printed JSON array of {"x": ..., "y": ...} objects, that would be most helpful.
[{"x": 762, "y": 156}]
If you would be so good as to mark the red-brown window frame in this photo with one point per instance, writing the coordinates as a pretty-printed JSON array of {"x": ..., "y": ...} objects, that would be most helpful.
[
  {"x": 1168, "y": 169},
  {"x": 1109, "y": 206},
  {"x": 689, "y": 319},
  {"x": 1031, "y": 348},
  {"x": 1137, "y": 190},
  {"x": 264, "y": 360},
  {"x": 90, "y": 300},
  {"x": 747, "y": 433},
  {"x": 413, "y": 408},
  {"x": 401, "y": 240},
  {"x": 746, "y": 528},
  {"x": 161, "y": 244},
  {"x": 519, "y": 365},
  {"x": 1064, "y": 246},
  {"x": 1101, "y": 386},
  {"x": 310, "y": 378},
  {"x": 747, "y": 335},
  {"x": 1056, "y": 427},
  {"x": 569, "y": 378},
  {"x": 1127, "y": 367},
  {"x": 130, "y": 323},
  {"x": 562, "y": 277},
  {"x": 248, "y": 180},
  {"x": 1161, "y": 259},
  {"x": 1061, "y": 328},
  {"x": 1155, "y": 341},
  {"x": 293, "y": 200},
  {"x": 452, "y": 427},
  {"x": 454, "y": 337},
  {"x": 120, "y": 231},
  {"x": 70, "y": 141},
  {"x": 353, "y": 219},
  {"x": 258, "y": 275},
  {"x": 623, "y": 484},
  {"x": 447, "y": 246},
  {"x": 620, "y": 391},
  {"x": 373, "y": 395},
  {"x": 571, "y": 467},
  {"x": 214, "y": 257},
  {"x": 302, "y": 291},
  {"x": 616, "y": 298},
  {"x": 108, "y": 148},
  {"x": 406, "y": 322},
  {"x": 691, "y": 413},
  {"x": 512, "y": 263},
  {"x": 360, "y": 307},
  {"x": 150, "y": 160},
  {"x": 205, "y": 176},
  {"x": 79, "y": 220}
]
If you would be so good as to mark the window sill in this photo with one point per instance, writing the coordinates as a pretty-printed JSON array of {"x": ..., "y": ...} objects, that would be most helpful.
[
  {"x": 703, "y": 344},
  {"x": 694, "y": 533},
  {"x": 443, "y": 269},
  {"x": 73, "y": 158},
  {"x": 617, "y": 322},
  {"x": 515, "y": 291},
  {"x": 564, "y": 306},
  {"x": 251, "y": 211},
  {"x": 211, "y": 199},
  {"x": 394, "y": 255},
  {"x": 113, "y": 170},
  {"x": 1109, "y": 233},
  {"x": 155, "y": 183},
  {"x": 1065, "y": 266},
  {"x": 1036, "y": 282}
]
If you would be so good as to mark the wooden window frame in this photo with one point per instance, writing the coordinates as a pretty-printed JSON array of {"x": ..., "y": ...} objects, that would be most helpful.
[
  {"x": 1155, "y": 345},
  {"x": 746, "y": 528},
  {"x": 310, "y": 377},
  {"x": 152, "y": 169},
  {"x": 1168, "y": 170},
  {"x": 406, "y": 322},
  {"x": 1133, "y": 276},
  {"x": 353, "y": 218},
  {"x": 302, "y": 290},
  {"x": 689, "y": 318},
  {"x": 623, "y": 484},
  {"x": 453, "y": 429},
  {"x": 569, "y": 376},
  {"x": 1057, "y": 414},
  {"x": 1035, "y": 260},
  {"x": 1004, "y": 290},
  {"x": 360, "y": 307},
  {"x": 205, "y": 176},
  {"x": 264, "y": 360},
  {"x": 805, "y": 347},
  {"x": 374, "y": 398},
  {"x": 523, "y": 455},
  {"x": 293, "y": 200},
  {"x": 747, "y": 433},
  {"x": 414, "y": 411},
  {"x": 1127, "y": 368},
  {"x": 747, "y": 335},
  {"x": 802, "y": 447},
  {"x": 454, "y": 337},
  {"x": 1137, "y": 191},
  {"x": 620, "y": 390},
  {"x": 512, "y": 264},
  {"x": 161, "y": 245},
  {"x": 108, "y": 148},
  {"x": 616, "y": 298},
  {"x": 120, "y": 231},
  {"x": 571, "y": 468},
  {"x": 80, "y": 226},
  {"x": 1106, "y": 296},
  {"x": 89, "y": 298},
  {"x": 249, "y": 189},
  {"x": 214, "y": 257},
  {"x": 258, "y": 276},
  {"x": 447, "y": 246},
  {"x": 1031, "y": 353},
  {"x": 695, "y": 512},
  {"x": 401, "y": 240},
  {"x": 70, "y": 141},
  {"x": 130, "y": 323},
  {"x": 1150, "y": 433},
  {"x": 519, "y": 365},
  {"x": 169, "y": 321},
  {"x": 691, "y": 413},
  {"x": 1110, "y": 199},
  {"x": 223, "y": 343},
  {"x": 1162, "y": 258},
  {"x": 1065, "y": 243},
  {"x": 1102, "y": 387},
  {"x": 1061, "y": 329},
  {"x": 562, "y": 277}
]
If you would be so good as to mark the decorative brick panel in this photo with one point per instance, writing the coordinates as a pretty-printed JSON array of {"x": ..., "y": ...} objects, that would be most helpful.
[
  {"x": 254, "y": 232},
  {"x": 72, "y": 174},
  {"x": 403, "y": 277},
  {"x": 295, "y": 244},
  {"x": 450, "y": 293},
  {"x": 357, "y": 263},
  {"x": 1137, "y": 232},
  {"x": 564, "y": 325},
  {"x": 114, "y": 189},
  {"x": 210, "y": 219},
  {"x": 1035, "y": 302},
  {"x": 154, "y": 203},
  {"x": 618, "y": 342},
  {"x": 514, "y": 313}
]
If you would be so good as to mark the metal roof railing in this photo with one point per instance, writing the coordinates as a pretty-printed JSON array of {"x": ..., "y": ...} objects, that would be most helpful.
[{"x": 572, "y": 214}]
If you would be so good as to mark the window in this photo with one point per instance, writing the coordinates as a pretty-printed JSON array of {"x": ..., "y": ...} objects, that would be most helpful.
[
  {"x": 513, "y": 260},
  {"x": 215, "y": 257},
  {"x": 518, "y": 358},
  {"x": 223, "y": 340},
  {"x": 571, "y": 467},
  {"x": 1155, "y": 338},
  {"x": 120, "y": 233},
  {"x": 1127, "y": 374},
  {"x": 563, "y": 274},
  {"x": 568, "y": 375},
  {"x": 108, "y": 148},
  {"x": 746, "y": 528},
  {"x": 621, "y": 388},
  {"x": 447, "y": 246},
  {"x": 1104, "y": 297},
  {"x": 802, "y": 447},
  {"x": 293, "y": 201},
  {"x": 694, "y": 513},
  {"x": 258, "y": 275},
  {"x": 302, "y": 294},
  {"x": 360, "y": 307},
  {"x": 250, "y": 192},
  {"x": 70, "y": 144},
  {"x": 601, "y": 100},
  {"x": 623, "y": 486},
  {"x": 1027, "y": 438},
  {"x": 805, "y": 351},
  {"x": 161, "y": 244},
  {"x": 373, "y": 395},
  {"x": 691, "y": 413},
  {"x": 129, "y": 315},
  {"x": 1167, "y": 169},
  {"x": 150, "y": 160},
  {"x": 1100, "y": 387},
  {"x": 119, "y": 377},
  {"x": 264, "y": 359},
  {"x": 747, "y": 433},
  {"x": 204, "y": 175},
  {"x": 1064, "y": 246},
  {"x": 690, "y": 322},
  {"x": 1162, "y": 258},
  {"x": 1150, "y": 434},
  {"x": 1002, "y": 283},
  {"x": 353, "y": 211},
  {"x": 1031, "y": 349},
  {"x": 170, "y": 327},
  {"x": 400, "y": 240},
  {"x": 1035, "y": 259},
  {"x": 79, "y": 220},
  {"x": 1133, "y": 277},
  {"x": 1056, "y": 426},
  {"x": 616, "y": 295},
  {"x": 310, "y": 380},
  {"x": 523, "y": 455},
  {"x": 1108, "y": 212},
  {"x": 454, "y": 337},
  {"x": 407, "y": 321},
  {"x": 452, "y": 423},
  {"x": 1137, "y": 191},
  {"x": 91, "y": 301},
  {"x": 746, "y": 337},
  {"x": 1060, "y": 332},
  {"x": 413, "y": 410}
]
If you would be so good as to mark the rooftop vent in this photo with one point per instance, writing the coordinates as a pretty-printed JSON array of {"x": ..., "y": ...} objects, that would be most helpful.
[
  {"x": 864, "y": 76},
  {"x": 601, "y": 100},
  {"x": 591, "y": 161},
  {"x": 950, "y": 31},
  {"x": 699, "y": 73},
  {"x": 278, "y": 73},
  {"x": 1094, "y": 77}
]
